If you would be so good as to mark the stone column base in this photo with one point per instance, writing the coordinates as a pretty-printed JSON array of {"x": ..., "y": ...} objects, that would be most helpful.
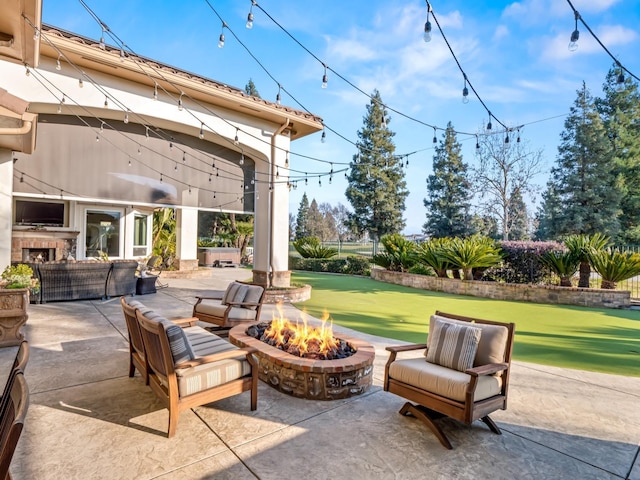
[
  {"x": 185, "y": 265},
  {"x": 280, "y": 279}
]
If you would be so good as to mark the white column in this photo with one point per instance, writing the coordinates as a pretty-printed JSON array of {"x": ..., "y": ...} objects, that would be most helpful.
[
  {"x": 187, "y": 232},
  {"x": 6, "y": 207}
]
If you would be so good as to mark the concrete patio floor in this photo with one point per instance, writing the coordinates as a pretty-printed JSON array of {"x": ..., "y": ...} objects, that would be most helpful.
[{"x": 89, "y": 420}]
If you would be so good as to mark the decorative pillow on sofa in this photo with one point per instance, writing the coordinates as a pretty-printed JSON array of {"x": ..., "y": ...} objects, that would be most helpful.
[
  {"x": 181, "y": 350},
  {"x": 453, "y": 345}
]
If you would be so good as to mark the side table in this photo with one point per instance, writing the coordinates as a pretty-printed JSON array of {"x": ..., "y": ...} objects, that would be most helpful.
[{"x": 145, "y": 285}]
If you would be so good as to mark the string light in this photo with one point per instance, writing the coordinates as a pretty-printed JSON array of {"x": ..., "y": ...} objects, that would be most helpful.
[
  {"x": 489, "y": 126},
  {"x": 323, "y": 137},
  {"x": 184, "y": 157},
  {"x": 155, "y": 91},
  {"x": 518, "y": 137},
  {"x": 286, "y": 159},
  {"x": 221, "y": 38},
  {"x": 278, "y": 95},
  {"x": 102, "y": 45},
  {"x": 465, "y": 91},
  {"x": 249, "y": 23},
  {"x": 80, "y": 83},
  {"x": 478, "y": 144},
  {"x": 575, "y": 35},
  {"x": 506, "y": 137},
  {"x": 146, "y": 132},
  {"x": 27, "y": 72},
  {"x": 130, "y": 160},
  {"x": 435, "y": 139},
  {"x": 201, "y": 134},
  {"x": 58, "y": 66},
  {"x": 236, "y": 142},
  {"x": 122, "y": 55},
  {"x": 241, "y": 162},
  {"x": 126, "y": 117},
  {"x": 106, "y": 102},
  {"x": 427, "y": 26},
  {"x": 325, "y": 79},
  {"x": 180, "y": 107}
]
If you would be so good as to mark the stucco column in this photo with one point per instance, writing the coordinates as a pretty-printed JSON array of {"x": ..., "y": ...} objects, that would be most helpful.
[
  {"x": 187, "y": 232},
  {"x": 6, "y": 207},
  {"x": 271, "y": 228}
]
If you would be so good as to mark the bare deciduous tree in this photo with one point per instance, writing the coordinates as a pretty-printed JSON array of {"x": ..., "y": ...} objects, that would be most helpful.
[{"x": 504, "y": 171}]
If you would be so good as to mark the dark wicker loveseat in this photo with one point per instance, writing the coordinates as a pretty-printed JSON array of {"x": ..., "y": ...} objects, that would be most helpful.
[{"x": 84, "y": 280}]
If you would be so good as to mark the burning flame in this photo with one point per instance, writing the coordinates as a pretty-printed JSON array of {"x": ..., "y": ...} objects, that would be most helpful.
[{"x": 301, "y": 338}]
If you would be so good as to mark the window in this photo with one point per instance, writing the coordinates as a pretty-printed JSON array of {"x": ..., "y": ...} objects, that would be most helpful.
[
  {"x": 140, "y": 237},
  {"x": 32, "y": 212},
  {"x": 102, "y": 233}
]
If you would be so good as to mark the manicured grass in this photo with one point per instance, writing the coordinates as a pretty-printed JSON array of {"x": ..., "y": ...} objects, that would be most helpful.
[{"x": 594, "y": 339}]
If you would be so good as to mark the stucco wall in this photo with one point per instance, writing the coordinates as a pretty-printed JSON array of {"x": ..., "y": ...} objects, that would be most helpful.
[{"x": 587, "y": 297}]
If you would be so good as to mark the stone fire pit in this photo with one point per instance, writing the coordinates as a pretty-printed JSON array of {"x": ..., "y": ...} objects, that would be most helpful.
[{"x": 309, "y": 378}]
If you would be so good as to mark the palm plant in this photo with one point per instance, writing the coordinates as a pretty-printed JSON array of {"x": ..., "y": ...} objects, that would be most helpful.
[
  {"x": 310, "y": 247},
  {"x": 430, "y": 254},
  {"x": 472, "y": 252},
  {"x": 614, "y": 266},
  {"x": 581, "y": 245},
  {"x": 399, "y": 254},
  {"x": 563, "y": 263}
]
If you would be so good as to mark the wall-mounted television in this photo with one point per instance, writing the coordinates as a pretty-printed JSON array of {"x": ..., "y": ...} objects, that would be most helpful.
[{"x": 29, "y": 212}]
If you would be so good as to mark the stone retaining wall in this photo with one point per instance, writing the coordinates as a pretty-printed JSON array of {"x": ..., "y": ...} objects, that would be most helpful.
[{"x": 586, "y": 297}]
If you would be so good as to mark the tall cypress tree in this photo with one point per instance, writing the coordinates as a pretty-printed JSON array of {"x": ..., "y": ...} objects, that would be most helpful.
[
  {"x": 620, "y": 112},
  {"x": 582, "y": 193},
  {"x": 518, "y": 217},
  {"x": 301, "y": 219},
  {"x": 377, "y": 190},
  {"x": 448, "y": 189}
]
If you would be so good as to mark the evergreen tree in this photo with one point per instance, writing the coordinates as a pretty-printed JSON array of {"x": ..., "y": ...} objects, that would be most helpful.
[
  {"x": 448, "y": 188},
  {"x": 377, "y": 190},
  {"x": 620, "y": 112},
  {"x": 504, "y": 168},
  {"x": 582, "y": 195},
  {"x": 301, "y": 219},
  {"x": 518, "y": 217},
  {"x": 485, "y": 225},
  {"x": 250, "y": 89},
  {"x": 315, "y": 222}
]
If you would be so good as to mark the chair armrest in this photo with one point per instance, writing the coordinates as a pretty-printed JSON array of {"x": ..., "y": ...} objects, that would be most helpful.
[
  {"x": 241, "y": 352},
  {"x": 488, "y": 369},
  {"x": 213, "y": 296},
  {"x": 185, "y": 322},
  {"x": 406, "y": 348},
  {"x": 244, "y": 304}
]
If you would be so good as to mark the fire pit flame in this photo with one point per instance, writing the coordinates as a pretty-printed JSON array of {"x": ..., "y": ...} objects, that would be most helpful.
[{"x": 302, "y": 339}]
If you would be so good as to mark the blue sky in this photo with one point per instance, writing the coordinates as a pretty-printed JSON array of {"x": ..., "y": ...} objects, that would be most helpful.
[{"x": 514, "y": 53}]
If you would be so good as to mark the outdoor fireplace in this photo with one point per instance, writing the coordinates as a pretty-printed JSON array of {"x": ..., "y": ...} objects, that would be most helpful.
[{"x": 349, "y": 372}]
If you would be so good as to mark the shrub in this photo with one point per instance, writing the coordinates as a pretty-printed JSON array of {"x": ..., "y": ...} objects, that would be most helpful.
[
  {"x": 472, "y": 252},
  {"x": 564, "y": 264},
  {"x": 614, "y": 266},
  {"x": 430, "y": 255},
  {"x": 521, "y": 262},
  {"x": 399, "y": 255},
  {"x": 352, "y": 265},
  {"x": 420, "y": 269},
  {"x": 357, "y": 265},
  {"x": 581, "y": 246},
  {"x": 310, "y": 247}
]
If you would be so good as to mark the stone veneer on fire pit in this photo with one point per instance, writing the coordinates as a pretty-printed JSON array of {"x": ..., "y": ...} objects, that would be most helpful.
[{"x": 308, "y": 378}]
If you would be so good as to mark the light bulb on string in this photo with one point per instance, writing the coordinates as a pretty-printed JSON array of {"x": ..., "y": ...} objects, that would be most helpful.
[
  {"x": 221, "y": 38},
  {"x": 126, "y": 117},
  {"x": 139, "y": 151},
  {"x": 249, "y": 23},
  {"x": 80, "y": 83},
  {"x": 465, "y": 91},
  {"x": 236, "y": 142},
  {"x": 210, "y": 178},
  {"x": 286, "y": 159},
  {"x": 102, "y": 45},
  {"x": 122, "y": 56},
  {"x": 155, "y": 91},
  {"x": 36, "y": 34},
  {"x": 58, "y": 66},
  {"x": 146, "y": 132},
  {"x": 383, "y": 122},
  {"x": 130, "y": 160},
  {"x": 180, "y": 107},
  {"x": 435, "y": 139},
  {"x": 201, "y": 134},
  {"x": 323, "y": 137},
  {"x": 241, "y": 162},
  {"x": 477, "y": 143},
  {"x": 575, "y": 35},
  {"x": 102, "y": 127},
  {"x": 489, "y": 126},
  {"x": 106, "y": 102},
  {"x": 518, "y": 137},
  {"x": 506, "y": 137},
  {"x": 427, "y": 27},
  {"x": 325, "y": 79},
  {"x": 184, "y": 157},
  {"x": 27, "y": 72},
  {"x": 278, "y": 95},
  {"x": 176, "y": 167}
]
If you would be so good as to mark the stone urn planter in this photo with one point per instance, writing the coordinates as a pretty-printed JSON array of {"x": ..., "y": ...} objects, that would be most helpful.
[{"x": 13, "y": 315}]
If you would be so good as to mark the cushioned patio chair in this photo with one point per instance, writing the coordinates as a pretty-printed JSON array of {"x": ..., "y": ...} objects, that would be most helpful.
[
  {"x": 465, "y": 374},
  {"x": 19, "y": 365},
  {"x": 192, "y": 367},
  {"x": 12, "y": 422},
  {"x": 239, "y": 303},
  {"x": 137, "y": 356}
]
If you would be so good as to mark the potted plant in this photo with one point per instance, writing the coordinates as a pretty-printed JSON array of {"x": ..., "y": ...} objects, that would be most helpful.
[
  {"x": 16, "y": 284},
  {"x": 20, "y": 276}
]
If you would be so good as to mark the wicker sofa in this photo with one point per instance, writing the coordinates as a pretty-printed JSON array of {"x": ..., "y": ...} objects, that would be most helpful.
[{"x": 83, "y": 280}]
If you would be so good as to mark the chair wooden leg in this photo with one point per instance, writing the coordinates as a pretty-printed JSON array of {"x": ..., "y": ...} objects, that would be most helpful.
[
  {"x": 132, "y": 368},
  {"x": 173, "y": 422},
  {"x": 491, "y": 424},
  {"x": 410, "y": 409}
]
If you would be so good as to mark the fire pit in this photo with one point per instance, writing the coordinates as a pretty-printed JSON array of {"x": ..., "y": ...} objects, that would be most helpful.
[{"x": 343, "y": 369}]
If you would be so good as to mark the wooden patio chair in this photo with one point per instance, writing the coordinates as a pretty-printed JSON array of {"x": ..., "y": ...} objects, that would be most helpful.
[
  {"x": 239, "y": 303},
  {"x": 182, "y": 379},
  {"x": 19, "y": 365},
  {"x": 465, "y": 374},
  {"x": 12, "y": 422},
  {"x": 137, "y": 356}
]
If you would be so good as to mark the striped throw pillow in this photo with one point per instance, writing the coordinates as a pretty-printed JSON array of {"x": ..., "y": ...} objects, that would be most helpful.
[
  {"x": 453, "y": 345},
  {"x": 181, "y": 350}
]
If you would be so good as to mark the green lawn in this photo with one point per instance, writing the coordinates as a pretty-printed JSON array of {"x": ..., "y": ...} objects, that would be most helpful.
[{"x": 595, "y": 339}]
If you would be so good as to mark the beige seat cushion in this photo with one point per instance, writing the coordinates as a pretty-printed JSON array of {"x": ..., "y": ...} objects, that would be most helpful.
[
  {"x": 202, "y": 377},
  {"x": 204, "y": 343},
  {"x": 215, "y": 309},
  {"x": 493, "y": 340},
  {"x": 442, "y": 381}
]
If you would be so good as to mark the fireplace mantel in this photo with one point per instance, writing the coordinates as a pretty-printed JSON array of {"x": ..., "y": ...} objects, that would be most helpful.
[{"x": 56, "y": 244}]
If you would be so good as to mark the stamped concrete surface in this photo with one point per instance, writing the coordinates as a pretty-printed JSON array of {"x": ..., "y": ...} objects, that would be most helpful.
[{"x": 89, "y": 420}]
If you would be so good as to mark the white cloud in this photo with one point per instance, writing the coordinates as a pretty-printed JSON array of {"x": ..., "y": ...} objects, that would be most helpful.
[
  {"x": 350, "y": 50},
  {"x": 533, "y": 12},
  {"x": 501, "y": 32}
]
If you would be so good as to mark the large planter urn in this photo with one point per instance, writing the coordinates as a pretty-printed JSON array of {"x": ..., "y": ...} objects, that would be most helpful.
[{"x": 13, "y": 315}]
